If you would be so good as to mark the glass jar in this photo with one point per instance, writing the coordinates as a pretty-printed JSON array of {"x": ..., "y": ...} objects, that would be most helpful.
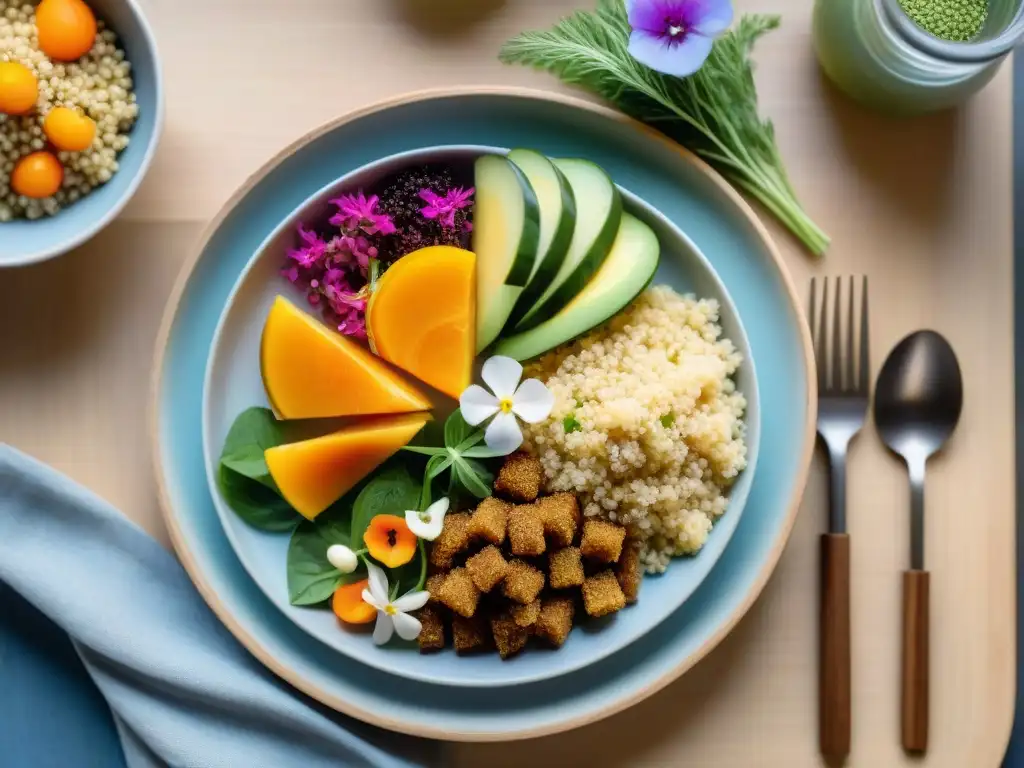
[{"x": 879, "y": 56}]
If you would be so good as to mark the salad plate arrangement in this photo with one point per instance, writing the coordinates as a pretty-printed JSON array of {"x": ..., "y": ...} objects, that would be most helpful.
[
  {"x": 472, "y": 416},
  {"x": 222, "y": 300}
]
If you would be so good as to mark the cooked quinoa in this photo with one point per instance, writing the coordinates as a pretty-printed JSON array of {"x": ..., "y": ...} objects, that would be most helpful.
[
  {"x": 99, "y": 84},
  {"x": 647, "y": 428}
]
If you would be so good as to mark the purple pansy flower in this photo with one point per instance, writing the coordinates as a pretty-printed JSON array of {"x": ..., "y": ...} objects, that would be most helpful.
[
  {"x": 443, "y": 208},
  {"x": 675, "y": 36}
]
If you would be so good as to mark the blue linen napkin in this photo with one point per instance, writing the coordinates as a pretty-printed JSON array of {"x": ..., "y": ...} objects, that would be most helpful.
[{"x": 181, "y": 689}]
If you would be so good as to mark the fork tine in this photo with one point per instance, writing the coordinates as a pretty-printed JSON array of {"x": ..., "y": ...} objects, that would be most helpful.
[
  {"x": 821, "y": 348},
  {"x": 851, "y": 333},
  {"x": 837, "y": 338},
  {"x": 865, "y": 342}
]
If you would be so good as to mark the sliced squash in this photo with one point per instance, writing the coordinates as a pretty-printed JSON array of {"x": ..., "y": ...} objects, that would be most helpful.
[
  {"x": 313, "y": 474},
  {"x": 309, "y": 371},
  {"x": 422, "y": 316}
]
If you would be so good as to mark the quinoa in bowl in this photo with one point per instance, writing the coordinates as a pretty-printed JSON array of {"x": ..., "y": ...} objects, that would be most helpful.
[
  {"x": 647, "y": 428},
  {"x": 96, "y": 87}
]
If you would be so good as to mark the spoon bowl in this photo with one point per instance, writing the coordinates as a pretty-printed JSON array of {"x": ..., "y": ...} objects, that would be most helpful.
[{"x": 919, "y": 396}]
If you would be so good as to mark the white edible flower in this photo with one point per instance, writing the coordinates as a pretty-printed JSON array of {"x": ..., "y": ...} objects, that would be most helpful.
[
  {"x": 392, "y": 616},
  {"x": 342, "y": 558},
  {"x": 531, "y": 401},
  {"x": 428, "y": 523}
]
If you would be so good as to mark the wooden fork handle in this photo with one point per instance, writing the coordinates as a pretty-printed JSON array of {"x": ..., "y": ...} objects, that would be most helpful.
[
  {"x": 915, "y": 661},
  {"x": 834, "y": 677}
]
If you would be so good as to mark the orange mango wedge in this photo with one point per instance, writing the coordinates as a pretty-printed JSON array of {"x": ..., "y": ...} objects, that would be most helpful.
[
  {"x": 309, "y": 371},
  {"x": 313, "y": 474},
  {"x": 422, "y": 316}
]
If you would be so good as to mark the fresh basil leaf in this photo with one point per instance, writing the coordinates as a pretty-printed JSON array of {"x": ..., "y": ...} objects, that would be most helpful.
[
  {"x": 392, "y": 491},
  {"x": 256, "y": 504},
  {"x": 471, "y": 481},
  {"x": 481, "y": 452},
  {"x": 253, "y": 432},
  {"x": 425, "y": 450},
  {"x": 456, "y": 429},
  {"x": 311, "y": 577}
]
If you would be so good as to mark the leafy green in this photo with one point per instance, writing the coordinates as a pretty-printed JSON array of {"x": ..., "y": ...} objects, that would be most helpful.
[
  {"x": 569, "y": 424},
  {"x": 311, "y": 578},
  {"x": 391, "y": 491},
  {"x": 468, "y": 478},
  {"x": 668, "y": 420},
  {"x": 712, "y": 112},
  {"x": 253, "y": 432},
  {"x": 456, "y": 430},
  {"x": 259, "y": 506}
]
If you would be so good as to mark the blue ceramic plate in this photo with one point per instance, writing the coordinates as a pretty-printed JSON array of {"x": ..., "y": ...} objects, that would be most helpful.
[
  {"x": 27, "y": 242},
  {"x": 685, "y": 191},
  {"x": 233, "y": 384}
]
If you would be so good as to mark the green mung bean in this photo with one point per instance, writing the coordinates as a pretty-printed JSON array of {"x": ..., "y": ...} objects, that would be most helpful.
[{"x": 953, "y": 20}]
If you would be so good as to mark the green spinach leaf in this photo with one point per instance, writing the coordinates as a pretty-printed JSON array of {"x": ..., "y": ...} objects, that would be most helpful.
[
  {"x": 311, "y": 577},
  {"x": 254, "y": 431},
  {"x": 257, "y": 504},
  {"x": 392, "y": 491}
]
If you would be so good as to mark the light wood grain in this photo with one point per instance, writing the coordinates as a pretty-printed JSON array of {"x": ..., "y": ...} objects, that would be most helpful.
[{"x": 921, "y": 206}]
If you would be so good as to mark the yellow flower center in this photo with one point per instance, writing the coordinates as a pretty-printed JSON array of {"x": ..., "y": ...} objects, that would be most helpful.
[
  {"x": 505, "y": 405},
  {"x": 390, "y": 610}
]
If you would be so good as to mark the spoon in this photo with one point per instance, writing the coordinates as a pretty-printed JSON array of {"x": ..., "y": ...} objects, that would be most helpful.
[{"x": 918, "y": 400}]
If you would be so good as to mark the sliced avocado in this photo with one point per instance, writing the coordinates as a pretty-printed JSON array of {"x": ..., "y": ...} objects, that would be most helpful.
[
  {"x": 626, "y": 271},
  {"x": 557, "y": 223},
  {"x": 598, "y": 213},
  {"x": 506, "y": 229}
]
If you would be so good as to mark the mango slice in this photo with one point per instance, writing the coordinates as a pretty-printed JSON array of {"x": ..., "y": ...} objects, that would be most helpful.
[
  {"x": 422, "y": 316},
  {"x": 309, "y": 371},
  {"x": 313, "y": 474}
]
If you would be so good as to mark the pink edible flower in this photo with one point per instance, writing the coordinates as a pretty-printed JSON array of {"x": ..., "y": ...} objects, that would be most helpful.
[
  {"x": 443, "y": 208},
  {"x": 312, "y": 253},
  {"x": 360, "y": 212}
]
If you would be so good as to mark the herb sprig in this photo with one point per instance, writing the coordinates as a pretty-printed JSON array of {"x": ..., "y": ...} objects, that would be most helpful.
[
  {"x": 713, "y": 112},
  {"x": 460, "y": 457}
]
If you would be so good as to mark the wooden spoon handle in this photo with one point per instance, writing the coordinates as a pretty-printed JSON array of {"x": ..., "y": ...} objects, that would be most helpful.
[
  {"x": 915, "y": 661},
  {"x": 834, "y": 733}
]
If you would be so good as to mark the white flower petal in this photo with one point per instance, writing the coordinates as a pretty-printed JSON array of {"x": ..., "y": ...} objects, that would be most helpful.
[
  {"x": 408, "y": 627},
  {"x": 503, "y": 434},
  {"x": 342, "y": 558},
  {"x": 378, "y": 584},
  {"x": 412, "y": 601},
  {"x": 429, "y": 529},
  {"x": 477, "y": 404},
  {"x": 533, "y": 401},
  {"x": 439, "y": 507},
  {"x": 371, "y": 600},
  {"x": 383, "y": 629},
  {"x": 502, "y": 375}
]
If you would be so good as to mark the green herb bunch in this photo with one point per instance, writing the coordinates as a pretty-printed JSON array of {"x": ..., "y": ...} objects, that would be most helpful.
[
  {"x": 461, "y": 458},
  {"x": 712, "y": 112}
]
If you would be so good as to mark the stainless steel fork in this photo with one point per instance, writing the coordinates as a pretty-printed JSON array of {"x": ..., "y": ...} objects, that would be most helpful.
[{"x": 844, "y": 371}]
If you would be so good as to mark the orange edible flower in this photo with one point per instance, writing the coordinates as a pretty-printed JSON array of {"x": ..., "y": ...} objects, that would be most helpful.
[
  {"x": 390, "y": 541},
  {"x": 349, "y": 606}
]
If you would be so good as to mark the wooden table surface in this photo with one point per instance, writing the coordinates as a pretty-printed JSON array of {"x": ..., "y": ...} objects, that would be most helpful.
[{"x": 921, "y": 206}]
